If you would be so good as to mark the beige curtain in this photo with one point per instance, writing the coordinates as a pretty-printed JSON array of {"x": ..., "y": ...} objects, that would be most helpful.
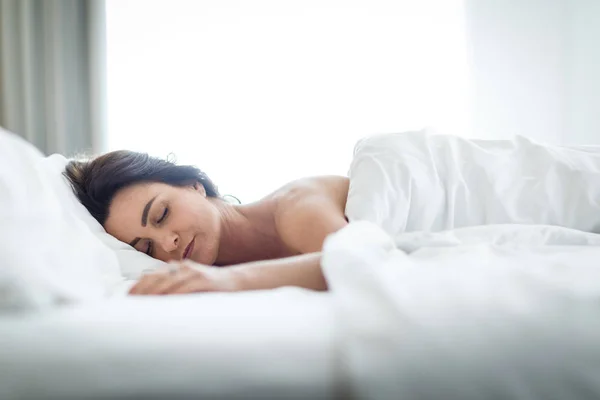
[{"x": 52, "y": 73}]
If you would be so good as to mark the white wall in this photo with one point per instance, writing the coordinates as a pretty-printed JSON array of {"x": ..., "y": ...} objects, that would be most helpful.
[
  {"x": 583, "y": 90},
  {"x": 535, "y": 68},
  {"x": 258, "y": 93}
]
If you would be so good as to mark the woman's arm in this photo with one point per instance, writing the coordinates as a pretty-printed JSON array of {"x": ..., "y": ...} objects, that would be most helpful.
[{"x": 303, "y": 271}]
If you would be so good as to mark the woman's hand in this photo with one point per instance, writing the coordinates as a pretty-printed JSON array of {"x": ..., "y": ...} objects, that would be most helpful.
[{"x": 187, "y": 277}]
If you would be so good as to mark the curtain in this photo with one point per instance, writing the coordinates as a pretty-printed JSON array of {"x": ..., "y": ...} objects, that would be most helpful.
[{"x": 52, "y": 73}]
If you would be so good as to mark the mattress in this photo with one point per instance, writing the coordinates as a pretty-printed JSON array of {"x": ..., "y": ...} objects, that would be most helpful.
[{"x": 264, "y": 344}]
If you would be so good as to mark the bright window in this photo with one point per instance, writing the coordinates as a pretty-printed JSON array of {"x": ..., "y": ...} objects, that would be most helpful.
[{"x": 257, "y": 93}]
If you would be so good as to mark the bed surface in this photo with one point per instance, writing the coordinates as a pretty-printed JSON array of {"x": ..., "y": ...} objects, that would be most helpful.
[{"x": 267, "y": 344}]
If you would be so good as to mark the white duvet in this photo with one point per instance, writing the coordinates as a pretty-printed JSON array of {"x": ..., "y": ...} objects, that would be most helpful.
[
  {"x": 498, "y": 311},
  {"x": 418, "y": 181}
]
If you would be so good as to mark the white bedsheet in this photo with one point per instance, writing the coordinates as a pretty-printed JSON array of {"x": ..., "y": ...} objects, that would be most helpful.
[
  {"x": 271, "y": 344},
  {"x": 516, "y": 318}
]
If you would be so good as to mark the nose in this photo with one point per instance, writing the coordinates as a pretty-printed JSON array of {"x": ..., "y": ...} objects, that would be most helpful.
[{"x": 170, "y": 242}]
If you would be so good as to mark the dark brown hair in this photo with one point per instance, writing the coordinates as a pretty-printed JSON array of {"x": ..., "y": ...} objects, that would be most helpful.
[{"x": 96, "y": 181}]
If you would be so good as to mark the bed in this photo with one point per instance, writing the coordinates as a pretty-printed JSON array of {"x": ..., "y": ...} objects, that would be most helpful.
[{"x": 468, "y": 271}]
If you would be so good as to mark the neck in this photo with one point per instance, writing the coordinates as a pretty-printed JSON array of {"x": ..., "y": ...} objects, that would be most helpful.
[{"x": 247, "y": 234}]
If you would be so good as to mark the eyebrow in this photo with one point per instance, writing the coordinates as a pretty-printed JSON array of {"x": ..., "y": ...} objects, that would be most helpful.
[
  {"x": 144, "y": 220},
  {"x": 146, "y": 210}
]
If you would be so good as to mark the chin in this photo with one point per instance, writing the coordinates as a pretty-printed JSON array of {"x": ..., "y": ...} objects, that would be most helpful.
[
  {"x": 206, "y": 257},
  {"x": 207, "y": 246}
]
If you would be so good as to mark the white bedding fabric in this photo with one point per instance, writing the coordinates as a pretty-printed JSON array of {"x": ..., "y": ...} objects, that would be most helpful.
[
  {"x": 47, "y": 254},
  {"x": 275, "y": 344},
  {"x": 468, "y": 320},
  {"x": 53, "y": 250},
  {"x": 421, "y": 181},
  {"x": 480, "y": 312}
]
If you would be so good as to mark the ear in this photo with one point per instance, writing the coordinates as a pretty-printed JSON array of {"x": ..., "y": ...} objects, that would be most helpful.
[{"x": 199, "y": 188}]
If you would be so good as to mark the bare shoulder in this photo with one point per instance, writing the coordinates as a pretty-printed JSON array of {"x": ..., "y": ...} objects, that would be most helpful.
[
  {"x": 332, "y": 186},
  {"x": 309, "y": 209}
]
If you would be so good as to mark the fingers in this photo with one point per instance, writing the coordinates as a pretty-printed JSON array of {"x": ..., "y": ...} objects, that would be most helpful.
[
  {"x": 188, "y": 279},
  {"x": 147, "y": 282},
  {"x": 151, "y": 282},
  {"x": 176, "y": 280},
  {"x": 165, "y": 281},
  {"x": 191, "y": 286}
]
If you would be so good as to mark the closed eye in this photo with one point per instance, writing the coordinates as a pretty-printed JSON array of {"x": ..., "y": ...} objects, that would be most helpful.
[
  {"x": 149, "y": 249},
  {"x": 163, "y": 216}
]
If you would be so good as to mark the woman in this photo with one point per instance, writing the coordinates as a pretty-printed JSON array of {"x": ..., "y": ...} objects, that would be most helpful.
[{"x": 174, "y": 213}]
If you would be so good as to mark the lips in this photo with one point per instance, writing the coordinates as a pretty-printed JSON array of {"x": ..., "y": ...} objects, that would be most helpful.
[{"x": 188, "y": 249}]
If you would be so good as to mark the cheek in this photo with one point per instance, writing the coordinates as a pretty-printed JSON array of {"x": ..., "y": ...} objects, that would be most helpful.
[
  {"x": 208, "y": 219},
  {"x": 210, "y": 226},
  {"x": 202, "y": 217}
]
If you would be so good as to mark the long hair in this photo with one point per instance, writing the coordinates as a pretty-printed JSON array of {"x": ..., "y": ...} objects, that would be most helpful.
[{"x": 96, "y": 181}]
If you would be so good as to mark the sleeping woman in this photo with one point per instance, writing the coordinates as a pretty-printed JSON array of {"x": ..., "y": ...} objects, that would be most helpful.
[{"x": 175, "y": 213}]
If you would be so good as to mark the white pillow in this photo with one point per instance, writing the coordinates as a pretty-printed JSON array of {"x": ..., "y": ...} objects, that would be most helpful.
[
  {"x": 47, "y": 255},
  {"x": 132, "y": 263}
]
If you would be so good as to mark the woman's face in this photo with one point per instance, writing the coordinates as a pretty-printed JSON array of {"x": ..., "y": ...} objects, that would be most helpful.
[{"x": 166, "y": 222}]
